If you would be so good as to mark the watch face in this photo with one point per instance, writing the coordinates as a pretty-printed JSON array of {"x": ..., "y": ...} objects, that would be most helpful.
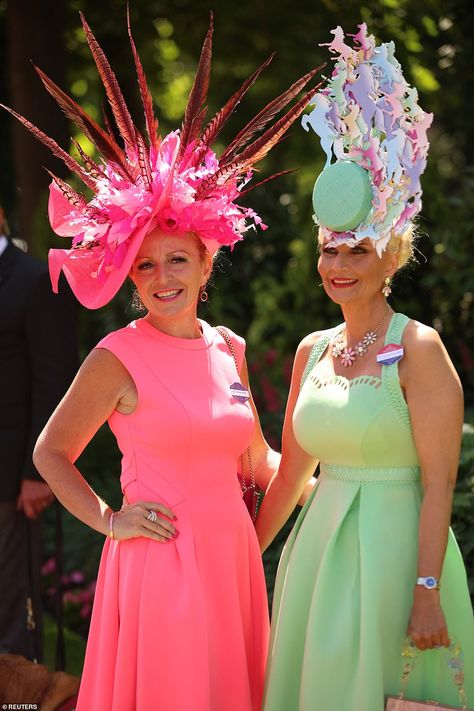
[{"x": 431, "y": 582}]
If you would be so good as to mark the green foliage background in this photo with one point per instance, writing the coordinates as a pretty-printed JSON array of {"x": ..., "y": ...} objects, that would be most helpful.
[{"x": 267, "y": 289}]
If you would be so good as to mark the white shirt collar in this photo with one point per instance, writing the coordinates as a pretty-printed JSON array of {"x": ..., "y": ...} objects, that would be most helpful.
[{"x": 3, "y": 244}]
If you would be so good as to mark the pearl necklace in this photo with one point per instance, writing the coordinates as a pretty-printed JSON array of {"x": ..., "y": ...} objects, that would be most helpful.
[{"x": 348, "y": 354}]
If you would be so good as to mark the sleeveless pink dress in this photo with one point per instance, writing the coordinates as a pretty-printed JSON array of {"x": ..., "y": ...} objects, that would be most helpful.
[{"x": 180, "y": 626}]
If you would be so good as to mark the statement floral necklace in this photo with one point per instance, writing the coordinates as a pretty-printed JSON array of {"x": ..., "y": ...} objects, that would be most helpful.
[{"x": 347, "y": 354}]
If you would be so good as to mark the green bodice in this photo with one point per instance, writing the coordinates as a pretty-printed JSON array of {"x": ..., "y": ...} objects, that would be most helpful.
[{"x": 369, "y": 413}]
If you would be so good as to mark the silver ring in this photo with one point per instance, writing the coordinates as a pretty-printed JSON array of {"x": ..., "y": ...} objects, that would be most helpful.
[
  {"x": 152, "y": 516},
  {"x": 437, "y": 646}
]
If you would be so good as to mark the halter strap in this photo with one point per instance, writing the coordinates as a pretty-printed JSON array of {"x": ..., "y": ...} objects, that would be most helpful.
[
  {"x": 390, "y": 378},
  {"x": 317, "y": 350}
]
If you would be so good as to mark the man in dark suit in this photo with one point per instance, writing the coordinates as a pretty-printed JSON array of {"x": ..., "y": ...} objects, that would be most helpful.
[{"x": 38, "y": 359}]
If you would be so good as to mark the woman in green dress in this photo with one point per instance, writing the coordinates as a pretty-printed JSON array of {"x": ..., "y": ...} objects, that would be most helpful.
[{"x": 377, "y": 402}]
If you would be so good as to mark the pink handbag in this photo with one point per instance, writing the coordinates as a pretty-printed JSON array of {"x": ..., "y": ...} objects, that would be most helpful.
[
  {"x": 455, "y": 663},
  {"x": 250, "y": 491}
]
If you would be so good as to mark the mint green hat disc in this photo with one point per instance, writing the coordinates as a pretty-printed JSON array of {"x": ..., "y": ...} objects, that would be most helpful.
[{"x": 342, "y": 196}]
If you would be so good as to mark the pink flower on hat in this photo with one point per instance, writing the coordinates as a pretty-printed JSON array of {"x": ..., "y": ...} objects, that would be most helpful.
[{"x": 176, "y": 184}]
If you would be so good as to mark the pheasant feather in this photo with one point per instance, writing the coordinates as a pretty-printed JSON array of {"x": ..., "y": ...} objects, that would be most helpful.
[
  {"x": 94, "y": 170},
  {"x": 215, "y": 125},
  {"x": 176, "y": 185},
  {"x": 107, "y": 124},
  {"x": 264, "y": 117},
  {"x": 74, "y": 198},
  {"x": 256, "y": 151},
  {"x": 266, "y": 180},
  {"x": 102, "y": 140},
  {"x": 144, "y": 162},
  {"x": 54, "y": 148},
  {"x": 114, "y": 94},
  {"x": 151, "y": 121},
  {"x": 194, "y": 110}
]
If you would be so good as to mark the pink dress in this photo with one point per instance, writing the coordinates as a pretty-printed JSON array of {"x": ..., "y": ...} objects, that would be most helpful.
[{"x": 180, "y": 626}]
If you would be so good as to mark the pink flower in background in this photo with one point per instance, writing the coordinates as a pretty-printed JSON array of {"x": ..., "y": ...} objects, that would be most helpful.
[
  {"x": 77, "y": 595},
  {"x": 85, "y": 611},
  {"x": 72, "y": 597},
  {"x": 271, "y": 395},
  {"x": 77, "y": 577},
  {"x": 271, "y": 356},
  {"x": 48, "y": 567}
]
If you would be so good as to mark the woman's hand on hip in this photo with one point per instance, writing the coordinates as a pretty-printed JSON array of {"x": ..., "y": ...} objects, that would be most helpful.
[
  {"x": 145, "y": 518},
  {"x": 427, "y": 627}
]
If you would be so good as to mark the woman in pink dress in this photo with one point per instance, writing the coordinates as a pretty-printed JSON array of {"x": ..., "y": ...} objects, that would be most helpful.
[{"x": 180, "y": 614}]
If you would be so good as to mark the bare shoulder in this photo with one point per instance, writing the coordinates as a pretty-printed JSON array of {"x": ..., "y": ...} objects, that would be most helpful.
[
  {"x": 104, "y": 371},
  {"x": 422, "y": 342},
  {"x": 102, "y": 360},
  {"x": 417, "y": 333},
  {"x": 306, "y": 346},
  {"x": 301, "y": 359},
  {"x": 97, "y": 390},
  {"x": 310, "y": 340},
  {"x": 425, "y": 354}
]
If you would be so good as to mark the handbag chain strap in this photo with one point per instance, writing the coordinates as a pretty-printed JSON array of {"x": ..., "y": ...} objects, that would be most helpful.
[
  {"x": 231, "y": 348},
  {"x": 410, "y": 654}
]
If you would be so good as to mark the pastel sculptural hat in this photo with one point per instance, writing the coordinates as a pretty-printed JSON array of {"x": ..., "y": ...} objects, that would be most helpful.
[
  {"x": 176, "y": 184},
  {"x": 374, "y": 134}
]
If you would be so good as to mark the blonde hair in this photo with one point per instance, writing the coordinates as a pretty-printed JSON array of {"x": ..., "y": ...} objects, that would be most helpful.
[{"x": 402, "y": 244}]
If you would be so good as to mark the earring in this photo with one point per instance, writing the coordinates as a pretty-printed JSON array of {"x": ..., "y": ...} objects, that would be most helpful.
[
  {"x": 386, "y": 291},
  {"x": 204, "y": 296}
]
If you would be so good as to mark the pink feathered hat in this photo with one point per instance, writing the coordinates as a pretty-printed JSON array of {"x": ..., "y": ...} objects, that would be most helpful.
[{"x": 176, "y": 184}]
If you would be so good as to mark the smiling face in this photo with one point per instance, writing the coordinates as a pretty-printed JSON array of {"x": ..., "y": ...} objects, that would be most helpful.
[
  {"x": 168, "y": 273},
  {"x": 356, "y": 273}
]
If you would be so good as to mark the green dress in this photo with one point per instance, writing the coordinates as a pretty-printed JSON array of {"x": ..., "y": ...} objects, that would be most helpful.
[{"x": 344, "y": 587}]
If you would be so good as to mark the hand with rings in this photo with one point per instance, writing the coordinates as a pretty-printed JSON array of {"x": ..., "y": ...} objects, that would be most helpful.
[{"x": 145, "y": 518}]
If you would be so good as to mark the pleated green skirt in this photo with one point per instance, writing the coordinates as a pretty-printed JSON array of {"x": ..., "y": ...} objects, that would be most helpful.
[{"x": 343, "y": 597}]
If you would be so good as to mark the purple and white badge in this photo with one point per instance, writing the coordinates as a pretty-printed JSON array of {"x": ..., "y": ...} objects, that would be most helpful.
[
  {"x": 239, "y": 392},
  {"x": 390, "y": 354}
]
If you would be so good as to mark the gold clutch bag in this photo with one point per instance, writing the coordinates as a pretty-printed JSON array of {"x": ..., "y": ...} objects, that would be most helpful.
[{"x": 410, "y": 654}]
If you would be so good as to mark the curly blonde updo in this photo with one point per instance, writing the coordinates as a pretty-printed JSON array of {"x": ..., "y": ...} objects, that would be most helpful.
[{"x": 403, "y": 245}]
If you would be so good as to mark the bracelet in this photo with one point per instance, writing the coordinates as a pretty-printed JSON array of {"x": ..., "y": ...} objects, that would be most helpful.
[{"x": 111, "y": 525}]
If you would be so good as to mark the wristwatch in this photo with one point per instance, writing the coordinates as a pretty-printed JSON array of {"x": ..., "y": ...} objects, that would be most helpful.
[{"x": 429, "y": 582}]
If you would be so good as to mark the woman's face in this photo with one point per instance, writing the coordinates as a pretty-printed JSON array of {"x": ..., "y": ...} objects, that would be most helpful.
[
  {"x": 354, "y": 273},
  {"x": 168, "y": 272}
]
